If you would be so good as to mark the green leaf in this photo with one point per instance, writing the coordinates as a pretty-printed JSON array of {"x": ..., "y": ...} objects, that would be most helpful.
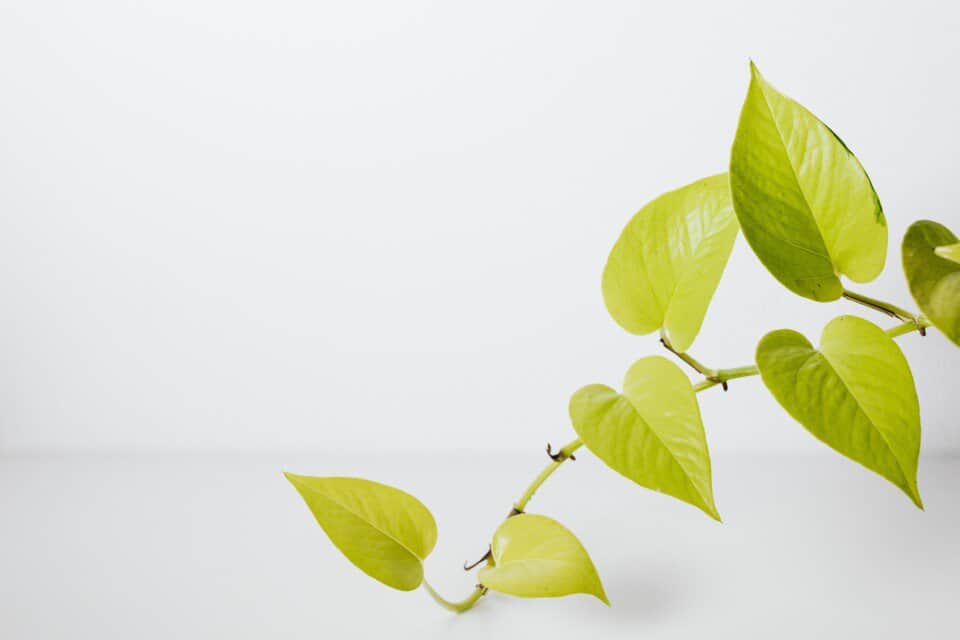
[
  {"x": 665, "y": 266},
  {"x": 384, "y": 531},
  {"x": 856, "y": 394},
  {"x": 805, "y": 204},
  {"x": 930, "y": 261},
  {"x": 949, "y": 252},
  {"x": 537, "y": 557},
  {"x": 652, "y": 433}
]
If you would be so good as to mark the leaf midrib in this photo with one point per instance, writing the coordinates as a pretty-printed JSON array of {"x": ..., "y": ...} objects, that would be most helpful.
[
  {"x": 861, "y": 410},
  {"x": 673, "y": 456},
  {"x": 796, "y": 178},
  {"x": 358, "y": 516}
]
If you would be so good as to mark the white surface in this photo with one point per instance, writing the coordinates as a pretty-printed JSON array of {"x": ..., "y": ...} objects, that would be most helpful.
[
  {"x": 303, "y": 224},
  {"x": 381, "y": 226},
  {"x": 222, "y": 547}
]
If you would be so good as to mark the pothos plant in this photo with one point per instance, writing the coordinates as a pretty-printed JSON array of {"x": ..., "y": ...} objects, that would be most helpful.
[{"x": 811, "y": 215}]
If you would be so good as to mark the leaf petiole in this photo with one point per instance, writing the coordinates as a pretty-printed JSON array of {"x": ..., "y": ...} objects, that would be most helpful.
[
  {"x": 919, "y": 324},
  {"x": 457, "y": 607},
  {"x": 887, "y": 308},
  {"x": 686, "y": 357}
]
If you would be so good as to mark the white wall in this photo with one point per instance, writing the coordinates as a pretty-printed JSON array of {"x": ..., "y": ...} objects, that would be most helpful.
[{"x": 252, "y": 225}]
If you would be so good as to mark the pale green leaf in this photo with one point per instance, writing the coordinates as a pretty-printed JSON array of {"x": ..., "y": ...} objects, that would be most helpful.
[
  {"x": 384, "y": 531},
  {"x": 856, "y": 394},
  {"x": 949, "y": 252},
  {"x": 805, "y": 204},
  {"x": 652, "y": 433},
  {"x": 665, "y": 266},
  {"x": 537, "y": 557},
  {"x": 930, "y": 261}
]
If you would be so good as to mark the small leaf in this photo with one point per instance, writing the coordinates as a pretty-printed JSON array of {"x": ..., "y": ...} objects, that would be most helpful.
[
  {"x": 930, "y": 261},
  {"x": 856, "y": 394},
  {"x": 949, "y": 252},
  {"x": 652, "y": 433},
  {"x": 665, "y": 266},
  {"x": 384, "y": 531},
  {"x": 537, "y": 557},
  {"x": 805, "y": 204}
]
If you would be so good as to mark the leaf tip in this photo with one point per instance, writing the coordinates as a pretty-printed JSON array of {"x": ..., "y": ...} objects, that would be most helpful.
[
  {"x": 602, "y": 596},
  {"x": 291, "y": 477},
  {"x": 711, "y": 510},
  {"x": 914, "y": 494}
]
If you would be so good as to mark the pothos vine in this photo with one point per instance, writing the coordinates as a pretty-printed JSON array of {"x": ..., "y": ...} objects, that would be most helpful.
[
  {"x": 711, "y": 378},
  {"x": 811, "y": 215}
]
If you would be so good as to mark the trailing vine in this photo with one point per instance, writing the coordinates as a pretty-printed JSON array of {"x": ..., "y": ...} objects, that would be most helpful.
[{"x": 811, "y": 215}]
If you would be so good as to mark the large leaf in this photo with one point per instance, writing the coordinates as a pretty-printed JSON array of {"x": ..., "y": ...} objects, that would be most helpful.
[
  {"x": 856, "y": 394},
  {"x": 652, "y": 433},
  {"x": 930, "y": 261},
  {"x": 537, "y": 557},
  {"x": 665, "y": 267},
  {"x": 805, "y": 204},
  {"x": 384, "y": 531}
]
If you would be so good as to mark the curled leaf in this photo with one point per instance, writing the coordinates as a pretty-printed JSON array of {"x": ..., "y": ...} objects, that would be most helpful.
[{"x": 930, "y": 262}]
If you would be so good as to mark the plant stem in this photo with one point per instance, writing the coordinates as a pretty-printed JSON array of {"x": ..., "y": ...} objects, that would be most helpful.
[
  {"x": 562, "y": 457},
  {"x": 737, "y": 372},
  {"x": 686, "y": 357},
  {"x": 457, "y": 607},
  {"x": 920, "y": 324},
  {"x": 891, "y": 310},
  {"x": 704, "y": 384},
  {"x": 713, "y": 377}
]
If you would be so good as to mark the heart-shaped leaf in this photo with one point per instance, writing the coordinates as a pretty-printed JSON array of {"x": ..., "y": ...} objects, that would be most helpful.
[
  {"x": 856, "y": 394},
  {"x": 384, "y": 531},
  {"x": 537, "y": 557},
  {"x": 806, "y": 206},
  {"x": 931, "y": 261},
  {"x": 663, "y": 270},
  {"x": 652, "y": 433}
]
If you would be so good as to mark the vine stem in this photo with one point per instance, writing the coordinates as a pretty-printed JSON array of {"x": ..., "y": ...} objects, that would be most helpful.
[
  {"x": 562, "y": 456},
  {"x": 716, "y": 376},
  {"x": 565, "y": 453},
  {"x": 457, "y": 607},
  {"x": 686, "y": 357},
  {"x": 891, "y": 310},
  {"x": 919, "y": 324}
]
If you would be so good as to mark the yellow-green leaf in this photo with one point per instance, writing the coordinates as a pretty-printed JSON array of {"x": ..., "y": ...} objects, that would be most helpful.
[
  {"x": 805, "y": 203},
  {"x": 537, "y": 557},
  {"x": 664, "y": 268},
  {"x": 651, "y": 433},
  {"x": 855, "y": 393},
  {"x": 384, "y": 531},
  {"x": 931, "y": 261}
]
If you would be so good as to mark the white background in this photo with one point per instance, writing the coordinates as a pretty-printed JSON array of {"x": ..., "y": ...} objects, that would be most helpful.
[
  {"x": 366, "y": 238},
  {"x": 316, "y": 225}
]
